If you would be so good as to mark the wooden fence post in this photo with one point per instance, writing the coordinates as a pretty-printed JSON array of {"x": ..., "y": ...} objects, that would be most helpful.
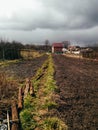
[
  {"x": 27, "y": 87},
  {"x": 20, "y": 99},
  {"x": 14, "y": 117},
  {"x": 31, "y": 89}
]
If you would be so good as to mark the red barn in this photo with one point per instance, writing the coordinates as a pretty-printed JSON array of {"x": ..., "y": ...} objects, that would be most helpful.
[{"x": 57, "y": 47}]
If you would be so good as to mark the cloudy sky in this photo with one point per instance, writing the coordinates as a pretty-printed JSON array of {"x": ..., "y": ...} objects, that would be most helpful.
[{"x": 34, "y": 21}]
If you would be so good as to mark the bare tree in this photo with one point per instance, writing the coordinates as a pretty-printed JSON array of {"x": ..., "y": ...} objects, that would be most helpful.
[{"x": 47, "y": 43}]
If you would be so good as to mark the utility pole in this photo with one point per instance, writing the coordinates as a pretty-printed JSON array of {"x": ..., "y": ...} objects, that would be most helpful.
[{"x": 8, "y": 121}]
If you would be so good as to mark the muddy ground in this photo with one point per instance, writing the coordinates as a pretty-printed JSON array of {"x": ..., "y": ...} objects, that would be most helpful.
[
  {"x": 23, "y": 68},
  {"x": 11, "y": 76},
  {"x": 77, "y": 94}
]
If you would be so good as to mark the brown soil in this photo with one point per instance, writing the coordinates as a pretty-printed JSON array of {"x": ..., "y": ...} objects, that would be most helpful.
[
  {"x": 77, "y": 99},
  {"x": 24, "y": 68},
  {"x": 10, "y": 78}
]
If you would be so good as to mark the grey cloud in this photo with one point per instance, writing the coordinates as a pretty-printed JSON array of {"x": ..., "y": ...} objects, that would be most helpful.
[
  {"x": 55, "y": 14},
  {"x": 56, "y": 20},
  {"x": 80, "y": 14},
  {"x": 88, "y": 36}
]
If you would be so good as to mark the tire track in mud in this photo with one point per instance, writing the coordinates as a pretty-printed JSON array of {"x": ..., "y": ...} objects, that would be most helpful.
[{"x": 77, "y": 82}]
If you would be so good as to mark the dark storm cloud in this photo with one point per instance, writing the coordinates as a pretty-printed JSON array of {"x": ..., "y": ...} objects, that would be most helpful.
[
  {"x": 54, "y": 14},
  {"x": 76, "y": 14},
  {"x": 38, "y": 20}
]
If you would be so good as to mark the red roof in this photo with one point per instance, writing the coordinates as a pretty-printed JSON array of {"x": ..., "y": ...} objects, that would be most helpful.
[{"x": 57, "y": 44}]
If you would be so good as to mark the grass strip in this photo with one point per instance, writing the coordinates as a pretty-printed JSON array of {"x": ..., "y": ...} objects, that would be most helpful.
[{"x": 35, "y": 115}]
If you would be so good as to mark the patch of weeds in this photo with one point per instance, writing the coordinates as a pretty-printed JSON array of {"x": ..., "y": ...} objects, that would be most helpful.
[
  {"x": 28, "y": 113},
  {"x": 53, "y": 123},
  {"x": 49, "y": 105},
  {"x": 28, "y": 122}
]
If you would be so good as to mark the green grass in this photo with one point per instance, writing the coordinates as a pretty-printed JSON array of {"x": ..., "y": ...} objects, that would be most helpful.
[
  {"x": 53, "y": 123},
  {"x": 8, "y": 62},
  {"x": 35, "y": 113}
]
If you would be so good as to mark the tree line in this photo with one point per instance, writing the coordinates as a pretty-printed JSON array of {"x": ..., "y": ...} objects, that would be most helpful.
[{"x": 10, "y": 50}]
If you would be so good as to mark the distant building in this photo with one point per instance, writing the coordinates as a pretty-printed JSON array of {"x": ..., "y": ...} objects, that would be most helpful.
[
  {"x": 57, "y": 47},
  {"x": 88, "y": 53},
  {"x": 74, "y": 48}
]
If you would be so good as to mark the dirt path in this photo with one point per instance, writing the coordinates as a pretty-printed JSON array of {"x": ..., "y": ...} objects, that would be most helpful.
[{"x": 77, "y": 81}]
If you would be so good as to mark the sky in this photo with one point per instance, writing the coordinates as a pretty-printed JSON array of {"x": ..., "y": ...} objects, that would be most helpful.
[{"x": 34, "y": 21}]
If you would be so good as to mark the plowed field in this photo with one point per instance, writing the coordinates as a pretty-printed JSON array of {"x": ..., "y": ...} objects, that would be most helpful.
[
  {"x": 10, "y": 78},
  {"x": 77, "y": 82},
  {"x": 23, "y": 68}
]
